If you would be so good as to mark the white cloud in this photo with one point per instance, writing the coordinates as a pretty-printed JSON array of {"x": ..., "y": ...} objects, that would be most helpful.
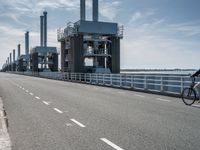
[
  {"x": 110, "y": 9},
  {"x": 141, "y": 15},
  {"x": 136, "y": 16},
  {"x": 156, "y": 44}
]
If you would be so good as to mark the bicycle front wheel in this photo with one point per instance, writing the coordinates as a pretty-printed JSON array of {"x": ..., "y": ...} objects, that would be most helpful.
[{"x": 189, "y": 96}]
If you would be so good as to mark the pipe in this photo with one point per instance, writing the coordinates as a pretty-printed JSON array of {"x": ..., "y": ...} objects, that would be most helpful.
[
  {"x": 95, "y": 10},
  {"x": 13, "y": 55},
  {"x": 19, "y": 50},
  {"x": 82, "y": 10},
  {"x": 45, "y": 28},
  {"x": 27, "y": 43},
  {"x": 41, "y": 31}
]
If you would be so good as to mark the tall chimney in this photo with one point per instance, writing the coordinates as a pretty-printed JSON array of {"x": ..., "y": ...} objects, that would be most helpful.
[
  {"x": 95, "y": 9},
  {"x": 13, "y": 55},
  {"x": 82, "y": 9},
  {"x": 19, "y": 49},
  {"x": 27, "y": 43},
  {"x": 10, "y": 58},
  {"x": 45, "y": 28},
  {"x": 8, "y": 61},
  {"x": 41, "y": 30}
]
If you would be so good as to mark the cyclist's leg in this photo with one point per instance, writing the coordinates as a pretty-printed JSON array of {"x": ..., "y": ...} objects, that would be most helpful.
[{"x": 197, "y": 90}]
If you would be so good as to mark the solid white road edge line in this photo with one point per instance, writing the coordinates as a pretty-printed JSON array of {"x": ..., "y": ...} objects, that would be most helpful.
[
  {"x": 59, "y": 111},
  {"x": 78, "y": 123},
  {"x": 111, "y": 144}
]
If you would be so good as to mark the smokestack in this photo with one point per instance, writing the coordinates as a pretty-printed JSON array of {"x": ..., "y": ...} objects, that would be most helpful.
[
  {"x": 10, "y": 58},
  {"x": 95, "y": 10},
  {"x": 41, "y": 30},
  {"x": 8, "y": 61},
  {"x": 13, "y": 55},
  {"x": 45, "y": 28},
  {"x": 27, "y": 43},
  {"x": 82, "y": 8},
  {"x": 19, "y": 49}
]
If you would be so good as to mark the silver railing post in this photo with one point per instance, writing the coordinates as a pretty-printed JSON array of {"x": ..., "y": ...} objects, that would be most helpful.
[
  {"x": 182, "y": 84},
  {"x": 161, "y": 84},
  {"x": 96, "y": 78},
  {"x": 120, "y": 80},
  {"x": 111, "y": 79},
  {"x": 132, "y": 81},
  {"x": 145, "y": 82},
  {"x": 85, "y": 77},
  {"x": 103, "y": 79}
]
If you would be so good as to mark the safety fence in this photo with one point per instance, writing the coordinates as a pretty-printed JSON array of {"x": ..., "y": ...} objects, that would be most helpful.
[{"x": 162, "y": 84}]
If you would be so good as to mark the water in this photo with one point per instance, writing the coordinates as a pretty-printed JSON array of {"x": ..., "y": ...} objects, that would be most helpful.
[{"x": 188, "y": 72}]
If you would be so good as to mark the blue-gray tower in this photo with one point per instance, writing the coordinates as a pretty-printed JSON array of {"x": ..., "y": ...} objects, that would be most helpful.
[{"x": 90, "y": 46}]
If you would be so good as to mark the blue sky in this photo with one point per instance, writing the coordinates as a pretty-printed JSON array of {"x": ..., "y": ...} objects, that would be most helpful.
[{"x": 158, "y": 33}]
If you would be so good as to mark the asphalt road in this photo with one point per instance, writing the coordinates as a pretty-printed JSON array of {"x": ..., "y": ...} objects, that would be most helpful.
[{"x": 47, "y": 114}]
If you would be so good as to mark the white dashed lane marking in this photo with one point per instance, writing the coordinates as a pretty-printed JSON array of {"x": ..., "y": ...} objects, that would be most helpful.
[
  {"x": 196, "y": 105},
  {"x": 59, "y": 111},
  {"x": 37, "y": 97},
  {"x": 31, "y": 94},
  {"x": 46, "y": 103},
  {"x": 111, "y": 144},
  {"x": 120, "y": 92},
  {"x": 139, "y": 95},
  {"x": 78, "y": 123},
  {"x": 163, "y": 100}
]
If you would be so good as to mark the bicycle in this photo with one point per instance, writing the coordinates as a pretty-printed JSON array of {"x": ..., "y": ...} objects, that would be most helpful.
[{"x": 189, "y": 95}]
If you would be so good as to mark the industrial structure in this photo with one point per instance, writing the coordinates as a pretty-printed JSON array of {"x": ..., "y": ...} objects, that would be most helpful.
[
  {"x": 38, "y": 59},
  {"x": 90, "y": 46},
  {"x": 86, "y": 47},
  {"x": 43, "y": 58},
  {"x": 23, "y": 60}
]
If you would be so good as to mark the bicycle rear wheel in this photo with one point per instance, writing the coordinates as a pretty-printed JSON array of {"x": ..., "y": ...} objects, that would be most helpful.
[{"x": 189, "y": 96}]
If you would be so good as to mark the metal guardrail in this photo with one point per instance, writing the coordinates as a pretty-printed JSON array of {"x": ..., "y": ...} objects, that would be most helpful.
[{"x": 163, "y": 84}]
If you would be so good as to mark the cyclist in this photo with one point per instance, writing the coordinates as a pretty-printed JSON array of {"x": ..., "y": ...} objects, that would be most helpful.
[{"x": 197, "y": 85}]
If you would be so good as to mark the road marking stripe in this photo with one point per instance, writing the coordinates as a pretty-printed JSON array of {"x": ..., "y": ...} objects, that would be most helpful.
[
  {"x": 23, "y": 88},
  {"x": 111, "y": 144},
  {"x": 120, "y": 92},
  {"x": 37, "y": 97},
  {"x": 31, "y": 94},
  {"x": 196, "y": 105},
  {"x": 68, "y": 124},
  {"x": 45, "y": 102},
  {"x": 59, "y": 111},
  {"x": 164, "y": 100},
  {"x": 78, "y": 123},
  {"x": 139, "y": 95},
  {"x": 27, "y": 91}
]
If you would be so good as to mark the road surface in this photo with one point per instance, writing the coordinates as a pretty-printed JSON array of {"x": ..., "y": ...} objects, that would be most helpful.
[{"x": 47, "y": 114}]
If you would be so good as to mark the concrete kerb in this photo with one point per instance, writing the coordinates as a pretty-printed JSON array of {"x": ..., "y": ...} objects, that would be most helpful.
[{"x": 5, "y": 143}]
